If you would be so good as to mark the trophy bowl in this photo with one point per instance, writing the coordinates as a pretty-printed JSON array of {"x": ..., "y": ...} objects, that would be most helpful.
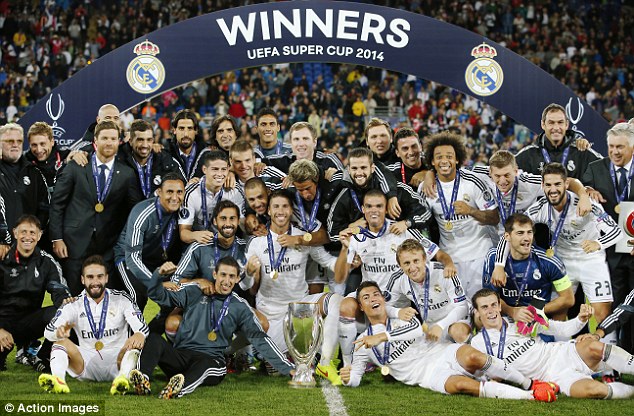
[{"x": 303, "y": 332}]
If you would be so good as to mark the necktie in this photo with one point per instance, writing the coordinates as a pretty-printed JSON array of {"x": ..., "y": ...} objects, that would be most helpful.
[
  {"x": 102, "y": 176},
  {"x": 622, "y": 181}
]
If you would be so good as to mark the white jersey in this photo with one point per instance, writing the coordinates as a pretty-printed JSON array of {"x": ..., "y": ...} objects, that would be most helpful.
[
  {"x": 122, "y": 319},
  {"x": 412, "y": 359},
  {"x": 378, "y": 255},
  {"x": 192, "y": 213},
  {"x": 290, "y": 285},
  {"x": 468, "y": 239},
  {"x": 576, "y": 228},
  {"x": 447, "y": 302}
]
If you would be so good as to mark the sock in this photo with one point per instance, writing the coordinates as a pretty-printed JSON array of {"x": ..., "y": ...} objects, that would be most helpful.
[
  {"x": 491, "y": 389},
  {"x": 347, "y": 335},
  {"x": 332, "y": 302},
  {"x": 129, "y": 362},
  {"x": 59, "y": 361},
  {"x": 170, "y": 335},
  {"x": 496, "y": 368},
  {"x": 618, "y": 390},
  {"x": 618, "y": 359}
]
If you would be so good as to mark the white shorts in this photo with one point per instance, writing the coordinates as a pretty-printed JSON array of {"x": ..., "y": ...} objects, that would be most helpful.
[
  {"x": 594, "y": 276},
  {"x": 565, "y": 375},
  {"x": 442, "y": 365},
  {"x": 317, "y": 274},
  {"x": 470, "y": 274},
  {"x": 98, "y": 365},
  {"x": 276, "y": 324}
]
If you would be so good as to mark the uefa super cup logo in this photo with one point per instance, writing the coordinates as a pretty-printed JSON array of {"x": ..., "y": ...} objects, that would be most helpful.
[{"x": 303, "y": 332}]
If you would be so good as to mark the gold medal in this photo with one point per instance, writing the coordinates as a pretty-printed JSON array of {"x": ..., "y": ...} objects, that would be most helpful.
[
  {"x": 307, "y": 237},
  {"x": 617, "y": 208},
  {"x": 385, "y": 370},
  {"x": 212, "y": 336},
  {"x": 273, "y": 275},
  {"x": 550, "y": 252},
  {"x": 448, "y": 226},
  {"x": 99, "y": 345},
  {"x": 99, "y": 207},
  {"x": 356, "y": 230}
]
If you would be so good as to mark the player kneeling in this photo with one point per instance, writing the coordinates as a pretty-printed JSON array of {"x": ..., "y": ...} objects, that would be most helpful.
[
  {"x": 401, "y": 349},
  {"x": 102, "y": 319}
]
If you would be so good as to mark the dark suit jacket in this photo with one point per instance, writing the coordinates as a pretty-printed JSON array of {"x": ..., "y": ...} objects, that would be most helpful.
[
  {"x": 597, "y": 175},
  {"x": 73, "y": 217}
]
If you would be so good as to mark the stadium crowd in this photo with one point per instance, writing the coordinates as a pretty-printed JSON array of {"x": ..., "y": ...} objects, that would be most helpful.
[{"x": 230, "y": 198}]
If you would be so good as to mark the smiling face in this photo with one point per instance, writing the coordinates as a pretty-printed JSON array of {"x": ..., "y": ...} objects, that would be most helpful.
[
  {"x": 360, "y": 170},
  {"x": 372, "y": 303},
  {"x": 374, "y": 208},
  {"x": 171, "y": 194},
  {"x": 555, "y": 126},
  {"x": 258, "y": 199},
  {"x": 107, "y": 144},
  {"x": 94, "y": 279},
  {"x": 409, "y": 150},
  {"x": 280, "y": 211},
  {"x": 227, "y": 222},
  {"x": 379, "y": 139},
  {"x": 554, "y": 187},
  {"x": 41, "y": 146},
  {"x": 216, "y": 172},
  {"x": 489, "y": 311},
  {"x": 504, "y": 178},
  {"x": 142, "y": 144},
  {"x": 619, "y": 150},
  {"x": 243, "y": 164},
  {"x": 226, "y": 135},
  {"x": 303, "y": 144},
  {"x": 267, "y": 130},
  {"x": 225, "y": 279},
  {"x": 444, "y": 162},
  {"x": 521, "y": 240},
  {"x": 413, "y": 263},
  {"x": 27, "y": 236}
]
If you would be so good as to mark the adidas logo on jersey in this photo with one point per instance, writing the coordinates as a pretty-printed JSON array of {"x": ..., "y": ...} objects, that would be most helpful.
[{"x": 82, "y": 315}]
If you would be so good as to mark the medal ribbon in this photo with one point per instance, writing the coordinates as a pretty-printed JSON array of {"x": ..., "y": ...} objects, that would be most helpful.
[
  {"x": 355, "y": 199},
  {"x": 620, "y": 198},
  {"x": 564, "y": 157},
  {"x": 383, "y": 359},
  {"x": 310, "y": 225},
  {"x": 448, "y": 212},
  {"x": 144, "y": 178},
  {"x": 524, "y": 283},
  {"x": 168, "y": 234},
  {"x": 367, "y": 233},
  {"x": 234, "y": 249},
  {"x": 203, "y": 201},
  {"x": 101, "y": 193},
  {"x": 98, "y": 333},
  {"x": 503, "y": 213},
  {"x": 223, "y": 312},
  {"x": 560, "y": 223},
  {"x": 487, "y": 341},
  {"x": 275, "y": 263},
  {"x": 425, "y": 296},
  {"x": 189, "y": 160}
]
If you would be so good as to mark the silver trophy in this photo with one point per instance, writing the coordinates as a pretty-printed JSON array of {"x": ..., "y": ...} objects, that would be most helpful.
[{"x": 303, "y": 331}]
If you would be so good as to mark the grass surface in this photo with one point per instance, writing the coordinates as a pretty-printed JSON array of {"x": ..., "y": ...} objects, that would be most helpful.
[{"x": 253, "y": 394}]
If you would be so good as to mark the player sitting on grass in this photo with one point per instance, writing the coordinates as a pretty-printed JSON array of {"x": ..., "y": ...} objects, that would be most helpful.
[
  {"x": 102, "y": 319},
  {"x": 570, "y": 365},
  {"x": 401, "y": 349}
]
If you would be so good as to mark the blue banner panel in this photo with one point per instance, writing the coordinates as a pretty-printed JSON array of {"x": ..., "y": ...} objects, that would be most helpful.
[{"x": 315, "y": 31}]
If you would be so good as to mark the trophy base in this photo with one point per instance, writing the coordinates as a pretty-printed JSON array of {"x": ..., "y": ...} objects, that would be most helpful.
[{"x": 302, "y": 384}]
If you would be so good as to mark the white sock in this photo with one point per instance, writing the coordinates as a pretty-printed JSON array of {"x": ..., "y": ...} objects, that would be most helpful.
[
  {"x": 618, "y": 390},
  {"x": 496, "y": 368},
  {"x": 59, "y": 361},
  {"x": 347, "y": 335},
  {"x": 491, "y": 389},
  {"x": 129, "y": 362},
  {"x": 610, "y": 338},
  {"x": 618, "y": 359},
  {"x": 332, "y": 302}
]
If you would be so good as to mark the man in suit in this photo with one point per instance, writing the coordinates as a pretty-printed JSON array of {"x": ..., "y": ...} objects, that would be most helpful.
[
  {"x": 90, "y": 206},
  {"x": 610, "y": 181}
]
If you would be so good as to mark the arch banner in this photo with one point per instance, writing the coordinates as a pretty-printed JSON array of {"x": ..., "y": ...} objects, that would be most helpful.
[{"x": 315, "y": 31}]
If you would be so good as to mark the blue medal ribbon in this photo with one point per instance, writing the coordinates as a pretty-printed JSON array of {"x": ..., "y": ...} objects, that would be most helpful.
[
  {"x": 503, "y": 213},
  {"x": 368, "y": 234},
  {"x": 203, "y": 201},
  {"x": 97, "y": 333},
  {"x": 524, "y": 283},
  {"x": 223, "y": 312},
  {"x": 234, "y": 249},
  {"x": 623, "y": 196},
  {"x": 355, "y": 199},
  {"x": 487, "y": 341},
  {"x": 425, "y": 296},
  {"x": 146, "y": 185},
  {"x": 560, "y": 223},
  {"x": 310, "y": 224},
  {"x": 101, "y": 193},
  {"x": 383, "y": 359},
  {"x": 276, "y": 262},
  {"x": 189, "y": 160},
  {"x": 168, "y": 233},
  {"x": 448, "y": 211},
  {"x": 564, "y": 157}
]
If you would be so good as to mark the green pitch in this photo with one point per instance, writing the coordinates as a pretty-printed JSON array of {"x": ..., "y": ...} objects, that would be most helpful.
[{"x": 254, "y": 394}]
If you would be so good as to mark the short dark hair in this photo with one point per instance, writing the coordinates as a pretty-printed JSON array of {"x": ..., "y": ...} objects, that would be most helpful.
[
  {"x": 172, "y": 176},
  {"x": 95, "y": 259},
  {"x": 367, "y": 283},
  {"x": 212, "y": 155},
  {"x": 185, "y": 114},
  {"x": 140, "y": 126},
  {"x": 552, "y": 107},
  {"x": 519, "y": 219},
  {"x": 281, "y": 193},
  {"x": 106, "y": 125},
  {"x": 483, "y": 293},
  {"x": 555, "y": 168},
  {"x": 374, "y": 192},
  {"x": 255, "y": 182},
  {"x": 446, "y": 138},
  {"x": 359, "y": 152},
  {"x": 266, "y": 111},
  {"x": 227, "y": 261},
  {"x": 28, "y": 219},
  {"x": 403, "y": 133},
  {"x": 240, "y": 146},
  {"x": 225, "y": 204}
]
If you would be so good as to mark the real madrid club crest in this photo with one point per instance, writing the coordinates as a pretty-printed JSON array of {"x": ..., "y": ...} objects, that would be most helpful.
[
  {"x": 145, "y": 73},
  {"x": 484, "y": 76}
]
